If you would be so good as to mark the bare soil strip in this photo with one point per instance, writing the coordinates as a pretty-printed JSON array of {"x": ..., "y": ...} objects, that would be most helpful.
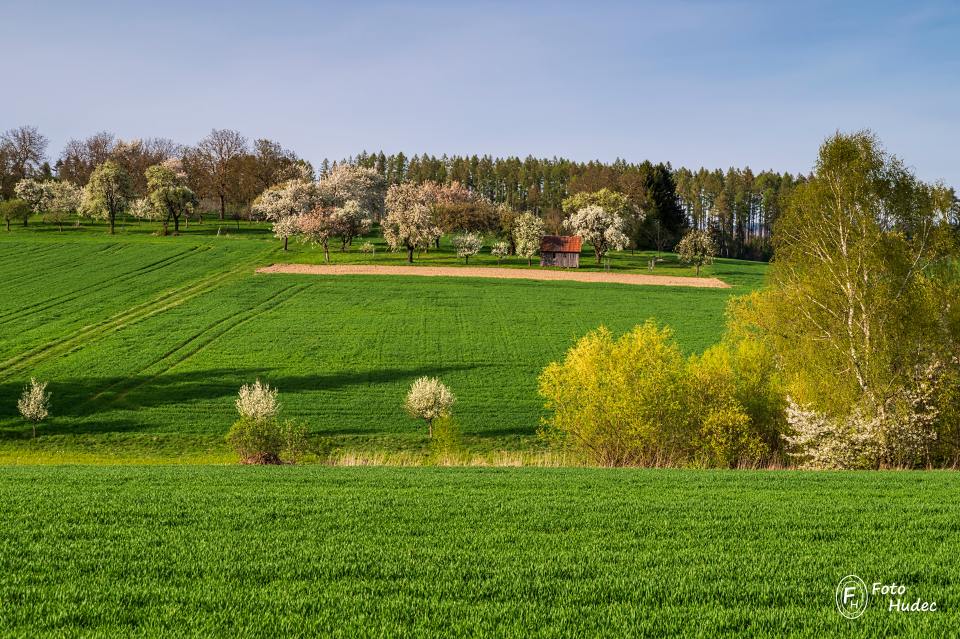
[{"x": 499, "y": 273}]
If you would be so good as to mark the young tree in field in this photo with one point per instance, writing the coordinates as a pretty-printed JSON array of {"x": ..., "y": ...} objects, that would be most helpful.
[
  {"x": 697, "y": 248},
  {"x": 500, "y": 250},
  {"x": 290, "y": 199},
  {"x": 318, "y": 226},
  {"x": 861, "y": 309},
  {"x": 63, "y": 199},
  {"x": 601, "y": 228},
  {"x": 34, "y": 403},
  {"x": 285, "y": 228},
  {"x": 409, "y": 223},
  {"x": 354, "y": 222},
  {"x": 217, "y": 155},
  {"x": 527, "y": 232},
  {"x": 108, "y": 192},
  {"x": 428, "y": 399},
  {"x": 467, "y": 244},
  {"x": 142, "y": 209},
  {"x": 13, "y": 210},
  {"x": 169, "y": 195},
  {"x": 35, "y": 194}
]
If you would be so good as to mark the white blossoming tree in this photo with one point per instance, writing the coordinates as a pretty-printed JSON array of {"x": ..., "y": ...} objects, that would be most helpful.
[
  {"x": 108, "y": 192},
  {"x": 257, "y": 402},
  {"x": 467, "y": 244},
  {"x": 34, "y": 194},
  {"x": 285, "y": 228},
  {"x": 34, "y": 403},
  {"x": 528, "y": 229},
  {"x": 292, "y": 198},
  {"x": 351, "y": 183},
  {"x": 428, "y": 399},
  {"x": 354, "y": 222},
  {"x": 318, "y": 226},
  {"x": 54, "y": 199},
  {"x": 409, "y": 228},
  {"x": 64, "y": 199},
  {"x": 500, "y": 250},
  {"x": 601, "y": 228},
  {"x": 697, "y": 248}
]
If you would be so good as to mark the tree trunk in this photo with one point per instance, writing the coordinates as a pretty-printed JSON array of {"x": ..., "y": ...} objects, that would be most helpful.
[
  {"x": 429, "y": 428},
  {"x": 113, "y": 219},
  {"x": 326, "y": 252},
  {"x": 409, "y": 254},
  {"x": 223, "y": 206},
  {"x": 25, "y": 218},
  {"x": 698, "y": 270},
  {"x": 60, "y": 225},
  {"x": 285, "y": 240},
  {"x": 176, "y": 224}
]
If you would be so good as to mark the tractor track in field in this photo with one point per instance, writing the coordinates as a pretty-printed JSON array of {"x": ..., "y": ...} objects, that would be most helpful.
[
  {"x": 165, "y": 301},
  {"x": 197, "y": 343},
  {"x": 74, "y": 294}
]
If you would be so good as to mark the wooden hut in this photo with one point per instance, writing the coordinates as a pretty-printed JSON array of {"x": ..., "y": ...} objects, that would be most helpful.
[{"x": 560, "y": 250}]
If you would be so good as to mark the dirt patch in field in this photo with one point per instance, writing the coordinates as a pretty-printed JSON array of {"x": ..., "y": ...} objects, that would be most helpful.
[{"x": 499, "y": 273}]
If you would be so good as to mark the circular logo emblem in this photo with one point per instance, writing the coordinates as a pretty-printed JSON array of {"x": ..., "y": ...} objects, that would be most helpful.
[{"x": 852, "y": 597}]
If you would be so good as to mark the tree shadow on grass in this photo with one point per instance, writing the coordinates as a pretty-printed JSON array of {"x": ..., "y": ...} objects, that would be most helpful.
[{"x": 78, "y": 401}]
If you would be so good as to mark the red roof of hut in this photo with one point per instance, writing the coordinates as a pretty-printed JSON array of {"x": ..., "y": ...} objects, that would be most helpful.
[{"x": 560, "y": 244}]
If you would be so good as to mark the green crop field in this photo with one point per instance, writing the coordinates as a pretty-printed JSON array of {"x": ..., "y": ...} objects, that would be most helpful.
[
  {"x": 145, "y": 340},
  {"x": 309, "y": 551}
]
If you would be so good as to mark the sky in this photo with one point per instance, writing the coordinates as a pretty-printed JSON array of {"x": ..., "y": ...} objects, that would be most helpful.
[{"x": 715, "y": 84}]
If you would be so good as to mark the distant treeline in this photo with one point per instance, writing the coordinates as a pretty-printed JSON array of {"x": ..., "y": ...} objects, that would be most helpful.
[
  {"x": 228, "y": 172},
  {"x": 738, "y": 206}
]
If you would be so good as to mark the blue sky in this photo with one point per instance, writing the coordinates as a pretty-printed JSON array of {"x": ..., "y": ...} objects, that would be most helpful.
[{"x": 716, "y": 84}]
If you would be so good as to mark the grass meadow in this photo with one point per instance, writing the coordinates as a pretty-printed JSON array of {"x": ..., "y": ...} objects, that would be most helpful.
[
  {"x": 145, "y": 340},
  {"x": 352, "y": 552}
]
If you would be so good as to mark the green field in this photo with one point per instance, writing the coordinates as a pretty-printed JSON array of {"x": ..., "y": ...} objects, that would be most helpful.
[
  {"x": 308, "y": 551},
  {"x": 145, "y": 340}
]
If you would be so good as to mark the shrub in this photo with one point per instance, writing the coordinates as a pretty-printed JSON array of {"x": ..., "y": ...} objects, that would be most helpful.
[
  {"x": 368, "y": 248},
  {"x": 267, "y": 441},
  {"x": 636, "y": 401},
  {"x": 259, "y": 437},
  {"x": 34, "y": 403},
  {"x": 428, "y": 399},
  {"x": 620, "y": 402},
  {"x": 446, "y": 437}
]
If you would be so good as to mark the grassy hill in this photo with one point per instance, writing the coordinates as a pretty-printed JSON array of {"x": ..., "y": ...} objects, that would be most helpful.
[{"x": 145, "y": 340}]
